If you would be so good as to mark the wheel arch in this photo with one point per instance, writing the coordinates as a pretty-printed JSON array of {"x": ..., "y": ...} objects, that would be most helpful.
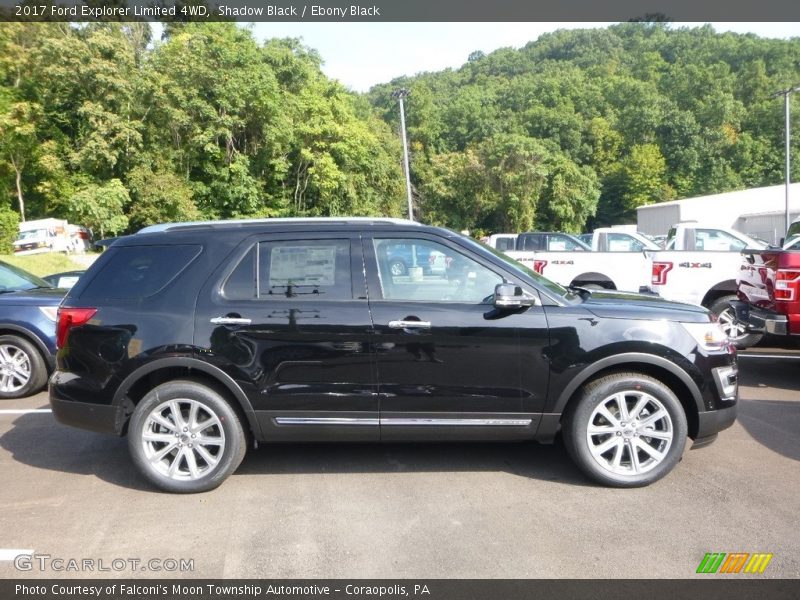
[
  {"x": 657, "y": 367},
  {"x": 137, "y": 384},
  {"x": 597, "y": 278},
  {"x": 723, "y": 288},
  {"x": 31, "y": 337}
]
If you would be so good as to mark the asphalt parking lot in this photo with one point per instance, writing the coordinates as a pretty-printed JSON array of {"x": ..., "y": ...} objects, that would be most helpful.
[{"x": 409, "y": 511}]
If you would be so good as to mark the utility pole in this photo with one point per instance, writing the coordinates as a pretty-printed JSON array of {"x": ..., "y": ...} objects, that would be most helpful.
[
  {"x": 787, "y": 93},
  {"x": 401, "y": 94}
]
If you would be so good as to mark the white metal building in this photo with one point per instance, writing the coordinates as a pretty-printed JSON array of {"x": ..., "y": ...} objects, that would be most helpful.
[{"x": 759, "y": 212}]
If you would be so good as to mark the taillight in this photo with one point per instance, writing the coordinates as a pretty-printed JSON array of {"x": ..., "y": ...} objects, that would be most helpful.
[
  {"x": 787, "y": 283},
  {"x": 539, "y": 265},
  {"x": 69, "y": 318},
  {"x": 660, "y": 270}
]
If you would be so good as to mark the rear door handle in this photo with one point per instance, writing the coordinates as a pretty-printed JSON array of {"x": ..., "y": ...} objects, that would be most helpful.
[
  {"x": 230, "y": 321},
  {"x": 409, "y": 324}
]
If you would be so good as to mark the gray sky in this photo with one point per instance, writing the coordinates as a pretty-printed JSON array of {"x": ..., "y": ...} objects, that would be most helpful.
[{"x": 361, "y": 55}]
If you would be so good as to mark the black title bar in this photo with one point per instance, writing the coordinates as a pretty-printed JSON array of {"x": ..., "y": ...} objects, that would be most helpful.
[
  {"x": 400, "y": 10},
  {"x": 731, "y": 588}
]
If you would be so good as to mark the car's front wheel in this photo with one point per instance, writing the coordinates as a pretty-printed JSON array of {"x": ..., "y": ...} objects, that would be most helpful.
[
  {"x": 735, "y": 329},
  {"x": 626, "y": 430},
  {"x": 22, "y": 369},
  {"x": 398, "y": 268},
  {"x": 185, "y": 437}
]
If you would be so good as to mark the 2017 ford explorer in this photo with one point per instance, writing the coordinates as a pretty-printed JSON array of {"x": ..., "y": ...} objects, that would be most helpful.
[{"x": 196, "y": 339}]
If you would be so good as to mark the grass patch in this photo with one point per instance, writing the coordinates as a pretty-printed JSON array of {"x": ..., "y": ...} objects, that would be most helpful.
[{"x": 46, "y": 263}]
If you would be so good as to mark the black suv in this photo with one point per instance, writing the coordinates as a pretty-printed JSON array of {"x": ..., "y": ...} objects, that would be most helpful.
[{"x": 195, "y": 339}]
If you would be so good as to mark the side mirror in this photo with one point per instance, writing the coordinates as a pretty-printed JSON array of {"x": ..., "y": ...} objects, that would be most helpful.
[{"x": 510, "y": 296}]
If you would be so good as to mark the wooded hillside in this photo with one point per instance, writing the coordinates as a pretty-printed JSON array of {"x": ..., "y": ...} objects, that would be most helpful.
[{"x": 108, "y": 128}]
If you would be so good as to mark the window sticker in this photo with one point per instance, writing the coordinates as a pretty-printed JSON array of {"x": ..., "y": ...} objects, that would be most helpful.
[{"x": 302, "y": 265}]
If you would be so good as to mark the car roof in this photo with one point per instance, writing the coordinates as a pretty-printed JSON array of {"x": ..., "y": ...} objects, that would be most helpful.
[{"x": 298, "y": 221}]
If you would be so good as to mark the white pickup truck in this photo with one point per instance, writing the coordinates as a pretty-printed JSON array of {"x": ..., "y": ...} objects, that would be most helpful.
[
  {"x": 699, "y": 266},
  {"x": 616, "y": 260}
]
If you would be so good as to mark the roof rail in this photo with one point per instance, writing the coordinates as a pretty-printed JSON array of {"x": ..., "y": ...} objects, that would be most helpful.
[{"x": 239, "y": 222}]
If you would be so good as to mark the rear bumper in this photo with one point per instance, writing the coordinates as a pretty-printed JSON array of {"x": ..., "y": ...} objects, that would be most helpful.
[
  {"x": 94, "y": 417},
  {"x": 759, "y": 320}
]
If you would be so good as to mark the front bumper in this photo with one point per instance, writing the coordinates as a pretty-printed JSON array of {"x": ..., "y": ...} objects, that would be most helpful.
[
  {"x": 759, "y": 320},
  {"x": 711, "y": 423}
]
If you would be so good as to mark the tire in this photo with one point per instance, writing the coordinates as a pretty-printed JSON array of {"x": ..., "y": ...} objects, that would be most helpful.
[
  {"x": 736, "y": 331},
  {"x": 620, "y": 455},
  {"x": 23, "y": 371},
  {"x": 397, "y": 268},
  {"x": 164, "y": 453}
]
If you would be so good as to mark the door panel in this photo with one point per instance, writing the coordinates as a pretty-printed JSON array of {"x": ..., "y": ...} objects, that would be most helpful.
[
  {"x": 292, "y": 327},
  {"x": 449, "y": 364}
]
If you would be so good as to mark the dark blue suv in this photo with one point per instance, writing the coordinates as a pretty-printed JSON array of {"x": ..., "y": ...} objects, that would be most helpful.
[{"x": 28, "y": 307}]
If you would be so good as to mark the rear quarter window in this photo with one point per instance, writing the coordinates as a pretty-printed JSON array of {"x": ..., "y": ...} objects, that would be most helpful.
[{"x": 135, "y": 272}]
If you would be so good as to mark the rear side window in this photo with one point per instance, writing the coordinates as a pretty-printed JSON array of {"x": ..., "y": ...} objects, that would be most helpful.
[
  {"x": 140, "y": 271},
  {"x": 529, "y": 243},
  {"x": 303, "y": 269},
  {"x": 505, "y": 244}
]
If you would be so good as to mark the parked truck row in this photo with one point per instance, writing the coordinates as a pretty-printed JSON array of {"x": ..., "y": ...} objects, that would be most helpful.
[{"x": 699, "y": 265}]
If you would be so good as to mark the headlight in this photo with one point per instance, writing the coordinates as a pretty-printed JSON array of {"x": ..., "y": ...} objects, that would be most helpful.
[
  {"x": 51, "y": 312},
  {"x": 709, "y": 336}
]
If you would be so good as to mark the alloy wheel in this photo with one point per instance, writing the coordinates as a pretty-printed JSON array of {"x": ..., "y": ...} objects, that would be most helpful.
[
  {"x": 629, "y": 433},
  {"x": 183, "y": 439},
  {"x": 15, "y": 368},
  {"x": 733, "y": 328}
]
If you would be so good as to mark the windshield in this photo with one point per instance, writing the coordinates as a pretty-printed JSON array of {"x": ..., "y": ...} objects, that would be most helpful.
[
  {"x": 539, "y": 279},
  {"x": 32, "y": 234},
  {"x": 13, "y": 279}
]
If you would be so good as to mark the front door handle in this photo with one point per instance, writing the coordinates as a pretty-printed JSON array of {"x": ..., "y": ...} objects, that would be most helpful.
[
  {"x": 230, "y": 321},
  {"x": 409, "y": 324}
]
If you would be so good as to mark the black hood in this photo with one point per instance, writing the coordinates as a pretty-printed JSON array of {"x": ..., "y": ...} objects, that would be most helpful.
[{"x": 613, "y": 304}]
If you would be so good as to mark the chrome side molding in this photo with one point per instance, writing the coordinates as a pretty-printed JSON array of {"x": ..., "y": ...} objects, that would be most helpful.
[{"x": 402, "y": 422}]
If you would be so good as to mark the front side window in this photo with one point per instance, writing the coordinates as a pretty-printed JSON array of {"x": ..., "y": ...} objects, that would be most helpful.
[
  {"x": 304, "y": 269},
  {"x": 714, "y": 240},
  {"x": 563, "y": 243},
  {"x": 619, "y": 242},
  {"x": 426, "y": 271}
]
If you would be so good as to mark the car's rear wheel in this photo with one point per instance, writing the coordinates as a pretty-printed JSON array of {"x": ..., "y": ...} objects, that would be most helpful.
[
  {"x": 626, "y": 430},
  {"x": 22, "y": 369},
  {"x": 185, "y": 437},
  {"x": 735, "y": 329}
]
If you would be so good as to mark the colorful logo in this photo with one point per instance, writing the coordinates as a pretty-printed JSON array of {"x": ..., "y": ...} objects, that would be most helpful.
[{"x": 734, "y": 562}]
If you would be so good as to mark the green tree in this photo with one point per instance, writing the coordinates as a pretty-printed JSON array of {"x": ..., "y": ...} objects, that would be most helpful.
[
  {"x": 159, "y": 197},
  {"x": 9, "y": 229},
  {"x": 100, "y": 207},
  {"x": 18, "y": 141}
]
